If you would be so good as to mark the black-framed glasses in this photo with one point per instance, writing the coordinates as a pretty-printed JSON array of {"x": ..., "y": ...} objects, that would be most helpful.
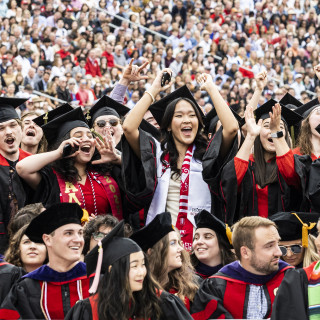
[
  {"x": 295, "y": 249},
  {"x": 98, "y": 235},
  {"x": 112, "y": 123}
]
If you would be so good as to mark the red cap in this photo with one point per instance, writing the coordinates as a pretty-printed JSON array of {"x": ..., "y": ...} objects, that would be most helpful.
[
  {"x": 69, "y": 9},
  {"x": 24, "y": 2},
  {"x": 5, "y": 57}
]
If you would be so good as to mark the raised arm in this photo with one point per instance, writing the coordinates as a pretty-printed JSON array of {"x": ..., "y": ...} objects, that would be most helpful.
[
  {"x": 28, "y": 168},
  {"x": 228, "y": 121},
  {"x": 253, "y": 130},
  {"x": 261, "y": 81},
  {"x": 132, "y": 121}
]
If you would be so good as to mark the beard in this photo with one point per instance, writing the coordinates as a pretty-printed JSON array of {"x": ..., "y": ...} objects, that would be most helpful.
[{"x": 263, "y": 267}]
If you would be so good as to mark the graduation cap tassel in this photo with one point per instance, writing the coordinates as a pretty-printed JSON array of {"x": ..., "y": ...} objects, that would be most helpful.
[
  {"x": 96, "y": 279},
  {"x": 293, "y": 137},
  {"x": 305, "y": 229},
  {"x": 85, "y": 217},
  {"x": 229, "y": 234}
]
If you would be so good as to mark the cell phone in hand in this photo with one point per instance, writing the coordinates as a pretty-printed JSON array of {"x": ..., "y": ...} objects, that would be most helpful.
[{"x": 68, "y": 150}]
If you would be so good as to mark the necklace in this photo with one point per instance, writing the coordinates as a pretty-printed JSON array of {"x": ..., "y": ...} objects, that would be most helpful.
[{"x": 93, "y": 194}]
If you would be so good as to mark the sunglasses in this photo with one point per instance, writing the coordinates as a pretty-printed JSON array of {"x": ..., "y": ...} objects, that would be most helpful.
[
  {"x": 112, "y": 123},
  {"x": 295, "y": 249},
  {"x": 98, "y": 235}
]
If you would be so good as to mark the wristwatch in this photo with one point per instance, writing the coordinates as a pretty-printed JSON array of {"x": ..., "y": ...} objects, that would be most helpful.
[{"x": 278, "y": 134}]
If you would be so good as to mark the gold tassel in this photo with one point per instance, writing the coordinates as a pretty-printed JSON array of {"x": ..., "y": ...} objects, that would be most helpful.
[
  {"x": 305, "y": 229},
  {"x": 85, "y": 217},
  {"x": 45, "y": 118},
  {"x": 293, "y": 139},
  {"x": 88, "y": 115},
  {"x": 229, "y": 234}
]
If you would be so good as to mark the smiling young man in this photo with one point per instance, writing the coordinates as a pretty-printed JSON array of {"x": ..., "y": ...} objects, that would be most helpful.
[
  {"x": 12, "y": 195},
  {"x": 244, "y": 289},
  {"x": 52, "y": 290}
]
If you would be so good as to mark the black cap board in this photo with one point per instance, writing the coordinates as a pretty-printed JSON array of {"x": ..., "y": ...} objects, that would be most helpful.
[
  {"x": 306, "y": 109},
  {"x": 210, "y": 121},
  {"x": 60, "y": 126},
  {"x": 54, "y": 217},
  {"x": 114, "y": 246},
  {"x": 106, "y": 106},
  {"x": 148, "y": 127},
  {"x": 205, "y": 219},
  {"x": 288, "y": 116},
  {"x": 235, "y": 108},
  {"x": 54, "y": 113},
  {"x": 158, "y": 108},
  {"x": 149, "y": 235},
  {"x": 289, "y": 100},
  {"x": 8, "y": 106},
  {"x": 289, "y": 226}
]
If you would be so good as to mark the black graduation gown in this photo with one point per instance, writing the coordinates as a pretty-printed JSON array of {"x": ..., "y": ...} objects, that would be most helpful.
[
  {"x": 291, "y": 301},
  {"x": 314, "y": 185},
  {"x": 212, "y": 167},
  {"x": 140, "y": 176},
  {"x": 281, "y": 197},
  {"x": 6, "y": 206},
  {"x": 9, "y": 275},
  {"x": 48, "y": 191},
  {"x": 172, "y": 309},
  {"x": 25, "y": 296}
]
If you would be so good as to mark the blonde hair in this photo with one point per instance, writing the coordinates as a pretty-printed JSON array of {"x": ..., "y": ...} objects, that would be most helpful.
[{"x": 310, "y": 253}]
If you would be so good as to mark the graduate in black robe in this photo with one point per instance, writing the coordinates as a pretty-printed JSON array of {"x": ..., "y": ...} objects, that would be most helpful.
[
  {"x": 52, "y": 290},
  {"x": 13, "y": 194},
  {"x": 108, "y": 258}
]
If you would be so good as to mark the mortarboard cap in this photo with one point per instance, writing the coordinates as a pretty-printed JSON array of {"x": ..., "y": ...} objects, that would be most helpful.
[
  {"x": 205, "y": 219},
  {"x": 291, "y": 225},
  {"x": 210, "y": 121},
  {"x": 288, "y": 116},
  {"x": 49, "y": 116},
  {"x": 106, "y": 106},
  {"x": 235, "y": 108},
  {"x": 7, "y": 108},
  {"x": 114, "y": 247},
  {"x": 307, "y": 108},
  {"x": 318, "y": 128},
  {"x": 60, "y": 126},
  {"x": 158, "y": 108},
  {"x": 288, "y": 100},
  {"x": 151, "y": 129},
  {"x": 54, "y": 217},
  {"x": 149, "y": 235}
]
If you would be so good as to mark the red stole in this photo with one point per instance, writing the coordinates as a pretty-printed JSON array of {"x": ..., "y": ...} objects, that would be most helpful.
[
  {"x": 71, "y": 193},
  {"x": 183, "y": 224}
]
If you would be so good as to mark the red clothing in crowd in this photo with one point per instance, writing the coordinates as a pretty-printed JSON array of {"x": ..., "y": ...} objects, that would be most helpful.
[
  {"x": 83, "y": 97},
  {"x": 297, "y": 151},
  {"x": 109, "y": 56},
  {"x": 245, "y": 73},
  {"x": 63, "y": 53},
  {"x": 93, "y": 68}
]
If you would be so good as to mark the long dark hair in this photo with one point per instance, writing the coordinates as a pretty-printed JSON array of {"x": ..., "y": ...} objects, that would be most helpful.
[
  {"x": 117, "y": 301},
  {"x": 227, "y": 256},
  {"x": 266, "y": 172},
  {"x": 66, "y": 168},
  {"x": 167, "y": 142}
]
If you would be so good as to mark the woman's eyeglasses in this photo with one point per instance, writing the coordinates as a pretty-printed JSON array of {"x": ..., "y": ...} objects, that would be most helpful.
[
  {"x": 295, "y": 249},
  {"x": 112, "y": 123},
  {"x": 98, "y": 235}
]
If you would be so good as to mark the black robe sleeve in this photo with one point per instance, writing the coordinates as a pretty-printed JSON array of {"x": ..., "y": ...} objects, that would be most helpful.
[
  {"x": 208, "y": 301},
  {"x": 80, "y": 311},
  {"x": 212, "y": 168},
  {"x": 173, "y": 308},
  {"x": 24, "y": 297},
  {"x": 139, "y": 175},
  {"x": 9, "y": 275},
  {"x": 291, "y": 301}
]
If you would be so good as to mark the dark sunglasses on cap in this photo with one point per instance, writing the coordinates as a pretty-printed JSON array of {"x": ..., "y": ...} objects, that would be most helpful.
[
  {"x": 98, "y": 235},
  {"x": 295, "y": 249},
  {"x": 112, "y": 122}
]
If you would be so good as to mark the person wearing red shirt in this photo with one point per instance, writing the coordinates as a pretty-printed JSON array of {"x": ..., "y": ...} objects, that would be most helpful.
[
  {"x": 92, "y": 65},
  {"x": 64, "y": 51},
  {"x": 108, "y": 54}
]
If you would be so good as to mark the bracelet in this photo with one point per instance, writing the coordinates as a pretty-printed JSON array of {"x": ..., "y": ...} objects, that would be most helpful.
[{"x": 151, "y": 95}]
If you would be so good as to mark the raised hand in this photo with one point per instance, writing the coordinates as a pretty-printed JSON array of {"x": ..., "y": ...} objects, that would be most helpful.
[
  {"x": 261, "y": 80},
  {"x": 74, "y": 142},
  {"x": 107, "y": 150},
  {"x": 132, "y": 72},
  {"x": 275, "y": 117},
  {"x": 205, "y": 80},
  {"x": 156, "y": 85},
  {"x": 253, "y": 128}
]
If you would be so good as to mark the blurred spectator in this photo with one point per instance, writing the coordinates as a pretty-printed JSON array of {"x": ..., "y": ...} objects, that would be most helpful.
[
  {"x": 62, "y": 91},
  {"x": 92, "y": 64}
]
